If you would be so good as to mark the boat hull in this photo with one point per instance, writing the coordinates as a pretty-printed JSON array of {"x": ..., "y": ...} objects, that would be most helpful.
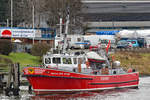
[{"x": 45, "y": 81}]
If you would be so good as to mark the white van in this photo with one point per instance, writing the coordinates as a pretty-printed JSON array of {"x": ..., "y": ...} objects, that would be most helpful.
[{"x": 75, "y": 41}]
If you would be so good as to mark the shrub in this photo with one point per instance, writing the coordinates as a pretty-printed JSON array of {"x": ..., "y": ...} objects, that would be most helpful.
[
  {"x": 40, "y": 49},
  {"x": 5, "y": 47}
]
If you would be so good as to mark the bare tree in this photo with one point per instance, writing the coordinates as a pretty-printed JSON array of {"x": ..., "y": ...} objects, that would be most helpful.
[
  {"x": 51, "y": 9},
  {"x": 59, "y": 8}
]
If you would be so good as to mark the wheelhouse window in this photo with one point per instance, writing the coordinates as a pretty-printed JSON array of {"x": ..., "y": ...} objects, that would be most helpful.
[
  {"x": 75, "y": 60},
  {"x": 67, "y": 61},
  {"x": 47, "y": 60},
  {"x": 56, "y": 60},
  {"x": 81, "y": 60}
]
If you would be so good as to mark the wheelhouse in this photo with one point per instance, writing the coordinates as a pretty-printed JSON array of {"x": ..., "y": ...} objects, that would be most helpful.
[{"x": 64, "y": 61}]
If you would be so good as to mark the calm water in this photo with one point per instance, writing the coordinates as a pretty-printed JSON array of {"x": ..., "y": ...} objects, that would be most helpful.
[{"x": 143, "y": 93}]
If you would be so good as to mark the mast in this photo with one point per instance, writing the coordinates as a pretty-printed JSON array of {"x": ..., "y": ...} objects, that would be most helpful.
[
  {"x": 66, "y": 32},
  {"x": 60, "y": 30},
  {"x": 33, "y": 22}
]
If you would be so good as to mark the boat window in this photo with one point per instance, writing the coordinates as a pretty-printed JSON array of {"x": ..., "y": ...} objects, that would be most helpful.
[
  {"x": 56, "y": 60},
  {"x": 80, "y": 61},
  {"x": 47, "y": 60},
  {"x": 67, "y": 61},
  {"x": 75, "y": 60},
  {"x": 83, "y": 60}
]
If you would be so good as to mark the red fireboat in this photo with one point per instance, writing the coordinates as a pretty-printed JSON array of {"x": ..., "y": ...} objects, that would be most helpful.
[{"x": 66, "y": 73}]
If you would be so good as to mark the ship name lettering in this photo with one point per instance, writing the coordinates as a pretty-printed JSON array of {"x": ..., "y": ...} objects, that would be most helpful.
[
  {"x": 104, "y": 78},
  {"x": 39, "y": 71},
  {"x": 66, "y": 73},
  {"x": 60, "y": 73},
  {"x": 54, "y": 73}
]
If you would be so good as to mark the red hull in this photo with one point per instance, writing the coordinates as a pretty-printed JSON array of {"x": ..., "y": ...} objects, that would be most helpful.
[{"x": 46, "y": 81}]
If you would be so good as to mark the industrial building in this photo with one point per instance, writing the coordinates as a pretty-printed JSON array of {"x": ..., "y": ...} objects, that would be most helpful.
[{"x": 116, "y": 14}]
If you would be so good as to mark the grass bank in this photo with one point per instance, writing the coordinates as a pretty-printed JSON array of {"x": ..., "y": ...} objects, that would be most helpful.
[
  {"x": 24, "y": 59},
  {"x": 138, "y": 61}
]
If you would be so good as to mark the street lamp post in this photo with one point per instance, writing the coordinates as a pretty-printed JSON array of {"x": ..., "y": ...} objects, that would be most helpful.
[
  {"x": 33, "y": 21},
  {"x": 7, "y": 23},
  {"x": 11, "y": 13}
]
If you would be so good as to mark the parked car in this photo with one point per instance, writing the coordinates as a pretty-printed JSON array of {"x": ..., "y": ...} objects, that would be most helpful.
[
  {"x": 122, "y": 44},
  {"x": 130, "y": 45},
  {"x": 134, "y": 43},
  {"x": 105, "y": 42}
]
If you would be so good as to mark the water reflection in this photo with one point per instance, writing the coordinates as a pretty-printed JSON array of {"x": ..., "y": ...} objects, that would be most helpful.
[{"x": 82, "y": 95}]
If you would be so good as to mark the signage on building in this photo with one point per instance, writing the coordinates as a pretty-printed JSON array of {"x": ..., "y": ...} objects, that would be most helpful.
[
  {"x": 23, "y": 33},
  {"x": 20, "y": 33}
]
